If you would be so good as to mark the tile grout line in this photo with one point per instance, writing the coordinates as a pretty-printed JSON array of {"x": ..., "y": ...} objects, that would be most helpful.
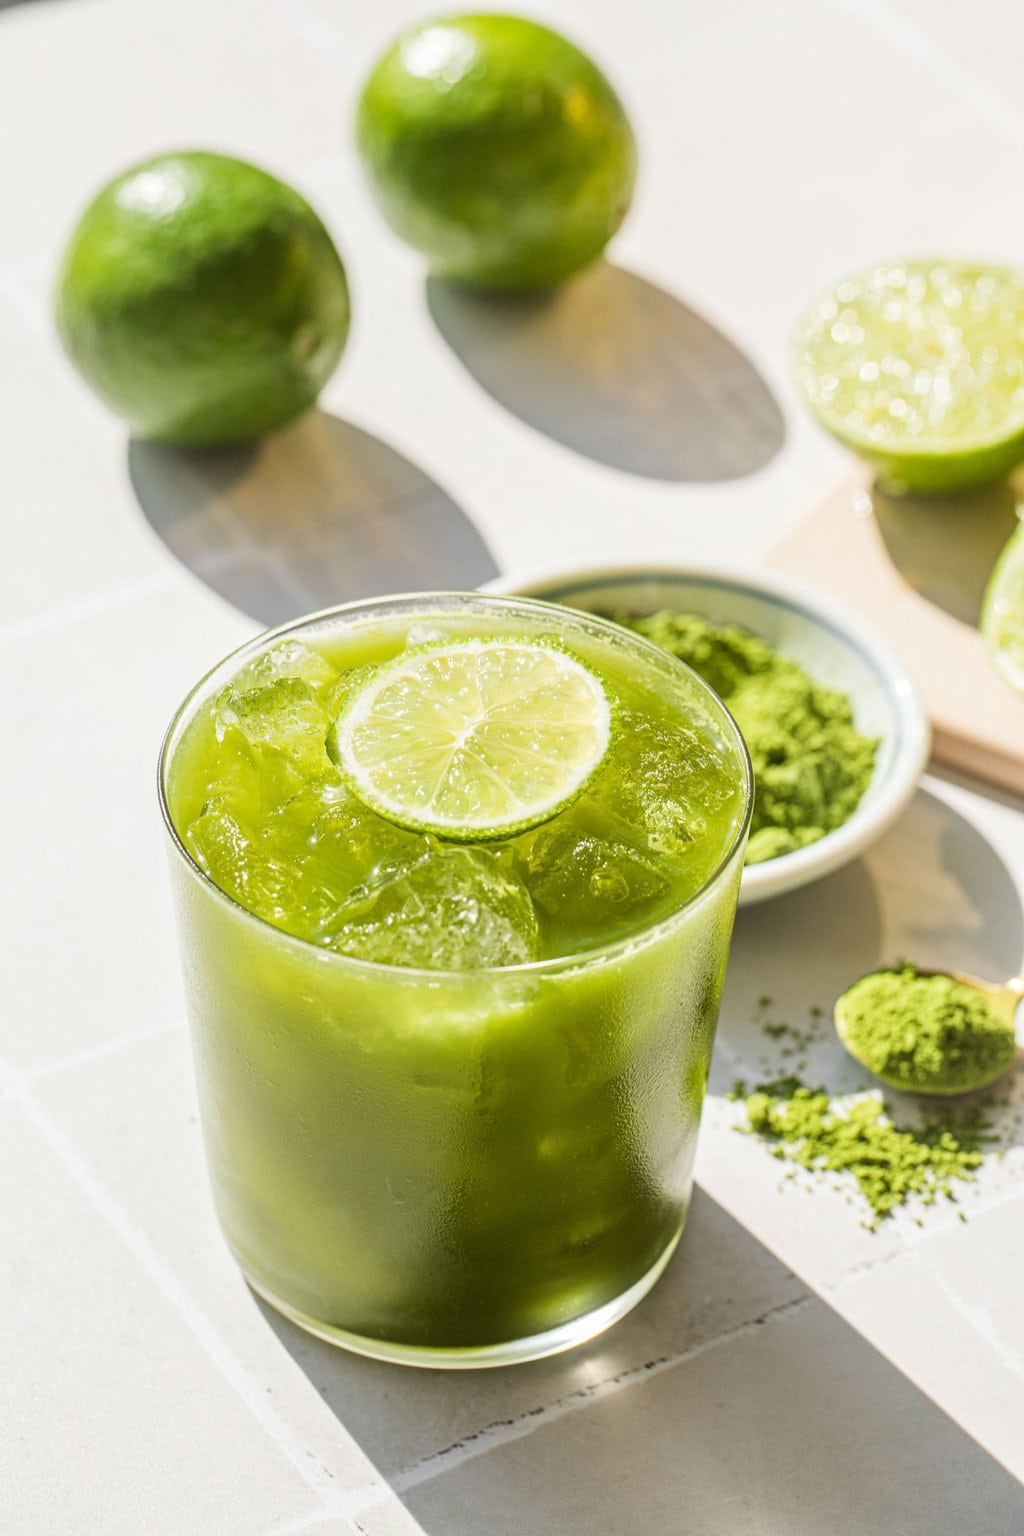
[
  {"x": 108, "y": 1048},
  {"x": 100, "y": 604},
  {"x": 307, "y": 1523},
  {"x": 913, "y": 1243},
  {"x": 245, "y": 1387},
  {"x": 977, "y": 1319},
  {"x": 492, "y": 1436}
]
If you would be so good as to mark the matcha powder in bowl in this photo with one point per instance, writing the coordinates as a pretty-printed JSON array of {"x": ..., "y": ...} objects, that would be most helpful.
[{"x": 811, "y": 765}]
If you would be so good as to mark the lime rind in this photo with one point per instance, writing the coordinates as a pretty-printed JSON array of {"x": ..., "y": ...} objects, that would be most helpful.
[
  {"x": 919, "y": 368},
  {"x": 202, "y": 299},
  {"x": 474, "y": 740},
  {"x": 497, "y": 148},
  {"x": 1002, "y": 613}
]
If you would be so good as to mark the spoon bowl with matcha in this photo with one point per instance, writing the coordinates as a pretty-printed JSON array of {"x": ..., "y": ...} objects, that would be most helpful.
[{"x": 931, "y": 1032}]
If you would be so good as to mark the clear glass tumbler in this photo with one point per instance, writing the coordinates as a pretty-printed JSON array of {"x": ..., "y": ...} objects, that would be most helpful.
[{"x": 454, "y": 1169}]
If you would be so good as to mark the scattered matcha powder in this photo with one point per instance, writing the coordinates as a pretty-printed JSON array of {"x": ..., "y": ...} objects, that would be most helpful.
[
  {"x": 811, "y": 766},
  {"x": 925, "y": 1032},
  {"x": 854, "y": 1137},
  {"x": 891, "y": 1166}
]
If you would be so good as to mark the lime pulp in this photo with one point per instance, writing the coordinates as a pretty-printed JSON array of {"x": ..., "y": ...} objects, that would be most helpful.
[
  {"x": 474, "y": 739},
  {"x": 918, "y": 366}
]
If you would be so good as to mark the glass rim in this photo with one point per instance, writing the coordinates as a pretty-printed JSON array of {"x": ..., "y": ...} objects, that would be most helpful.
[{"x": 431, "y": 601}]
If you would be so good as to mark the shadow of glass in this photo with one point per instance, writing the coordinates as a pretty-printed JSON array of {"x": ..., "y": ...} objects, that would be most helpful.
[
  {"x": 840, "y": 926},
  {"x": 618, "y": 370},
  {"x": 759, "y": 1410},
  {"x": 946, "y": 896},
  {"x": 945, "y": 546},
  {"x": 321, "y": 513}
]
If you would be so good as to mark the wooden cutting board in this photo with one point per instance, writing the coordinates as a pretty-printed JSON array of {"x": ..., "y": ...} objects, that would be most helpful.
[{"x": 916, "y": 569}]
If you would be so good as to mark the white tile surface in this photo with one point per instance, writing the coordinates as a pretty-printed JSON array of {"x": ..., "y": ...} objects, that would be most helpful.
[
  {"x": 781, "y": 143},
  {"x": 89, "y": 699},
  {"x": 976, "y": 1279},
  {"x": 623, "y": 41},
  {"x": 976, "y": 60},
  {"x": 72, "y": 530},
  {"x": 113, "y": 1418},
  {"x": 795, "y": 1426},
  {"x": 809, "y": 148},
  {"x": 908, "y": 1315},
  {"x": 89, "y": 88}
]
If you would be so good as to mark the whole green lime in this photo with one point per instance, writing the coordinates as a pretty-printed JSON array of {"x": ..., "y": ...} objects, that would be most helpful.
[
  {"x": 202, "y": 299},
  {"x": 497, "y": 148}
]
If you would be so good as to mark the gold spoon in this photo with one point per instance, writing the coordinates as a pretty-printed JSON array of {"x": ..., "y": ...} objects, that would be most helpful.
[{"x": 1002, "y": 1000}]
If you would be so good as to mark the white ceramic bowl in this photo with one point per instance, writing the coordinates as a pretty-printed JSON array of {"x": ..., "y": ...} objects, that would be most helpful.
[{"x": 836, "y": 649}]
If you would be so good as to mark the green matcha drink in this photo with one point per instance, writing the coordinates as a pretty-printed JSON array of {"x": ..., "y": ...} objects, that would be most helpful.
[{"x": 455, "y": 878}]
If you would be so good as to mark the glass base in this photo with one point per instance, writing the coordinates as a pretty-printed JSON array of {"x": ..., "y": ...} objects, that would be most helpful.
[{"x": 511, "y": 1352}]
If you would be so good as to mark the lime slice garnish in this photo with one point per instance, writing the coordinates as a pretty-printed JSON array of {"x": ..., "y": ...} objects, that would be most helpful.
[
  {"x": 474, "y": 739},
  {"x": 1002, "y": 613},
  {"x": 919, "y": 367}
]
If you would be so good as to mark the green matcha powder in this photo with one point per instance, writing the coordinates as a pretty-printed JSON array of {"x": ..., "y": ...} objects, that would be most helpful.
[
  {"x": 811, "y": 766},
  {"x": 925, "y": 1032},
  {"x": 916, "y": 1025},
  {"x": 890, "y": 1165}
]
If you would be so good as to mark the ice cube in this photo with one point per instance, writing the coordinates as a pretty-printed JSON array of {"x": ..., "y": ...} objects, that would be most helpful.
[
  {"x": 448, "y": 909},
  {"x": 236, "y": 859},
  {"x": 359, "y": 851},
  {"x": 584, "y": 884},
  {"x": 283, "y": 717},
  {"x": 423, "y": 634},
  {"x": 288, "y": 658},
  {"x": 250, "y": 783},
  {"x": 272, "y": 865},
  {"x": 344, "y": 684},
  {"x": 662, "y": 783}
]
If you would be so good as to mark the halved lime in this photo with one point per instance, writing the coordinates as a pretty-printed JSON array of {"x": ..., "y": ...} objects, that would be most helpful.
[
  {"x": 1002, "y": 613},
  {"x": 474, "y": 739},
  {"x": 919, "y": 367}
]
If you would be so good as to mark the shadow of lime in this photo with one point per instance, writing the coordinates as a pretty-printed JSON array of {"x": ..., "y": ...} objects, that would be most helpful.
[
  {"x": 321, "y": 513},
  {"x": 945, "y": 547},
  {"x": 618, "y": 370}
]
